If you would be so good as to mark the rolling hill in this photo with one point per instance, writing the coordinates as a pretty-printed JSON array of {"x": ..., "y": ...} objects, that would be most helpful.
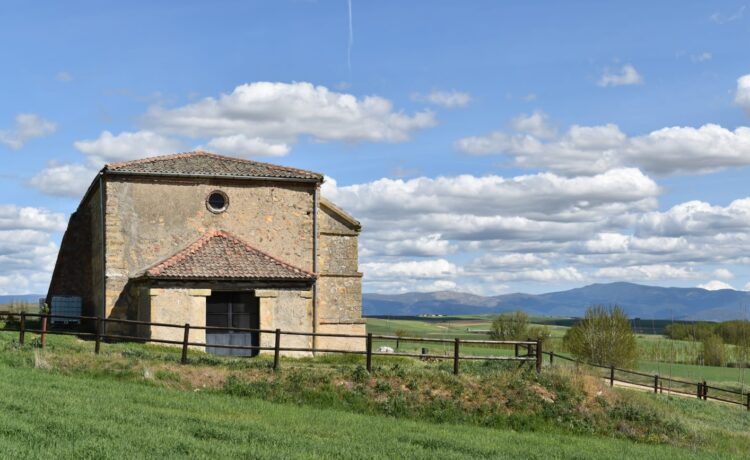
[{"x": 637, "y": 300}]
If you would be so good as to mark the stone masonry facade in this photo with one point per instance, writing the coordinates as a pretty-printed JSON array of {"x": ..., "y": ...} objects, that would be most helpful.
[{"x": 149, "y": 217}]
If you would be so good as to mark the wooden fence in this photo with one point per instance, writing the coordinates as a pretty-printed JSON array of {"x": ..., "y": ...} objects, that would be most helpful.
[
  {"x": 662, "y": 384},
  {"x": 534, "y": 350}
]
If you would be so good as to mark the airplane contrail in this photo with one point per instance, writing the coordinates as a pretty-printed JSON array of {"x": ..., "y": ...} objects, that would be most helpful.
[{"x": 351, "y": 39}]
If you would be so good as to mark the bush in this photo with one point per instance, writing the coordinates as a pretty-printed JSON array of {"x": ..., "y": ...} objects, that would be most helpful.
[
  {"x": 604, "y": 337},
  {"x": 510, "y": 326},
  {"x": 714, "y": 351}
]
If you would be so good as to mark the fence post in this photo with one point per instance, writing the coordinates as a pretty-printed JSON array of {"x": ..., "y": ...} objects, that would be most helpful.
[
  {"x": 551, "y": 358},
  {"x": 369, "y": 352},
  {"x": 276, "y": 350},
  {"x": 611, "y": 376},
  {"x": 656, "y": 383},
  {"x": 185, "y": 344},
  {"x": 748, "y": 401},
  {"x": 22, "y": 332},
  {"x": 44, "y": 330},
  {"x": 516, "y": 350},
  {"x": 700, "y": 390},
  {"x": 98, "y": 344},
  {"x": 455, "y": 356},
  {"x": 705, "y": 391},
  {"x": 538, "y": 355}
]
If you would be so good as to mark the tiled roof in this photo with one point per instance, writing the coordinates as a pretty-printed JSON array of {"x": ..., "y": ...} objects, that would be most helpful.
[
  {"x": 218, "y": 255},
  {"x": 207, "y": 164}
]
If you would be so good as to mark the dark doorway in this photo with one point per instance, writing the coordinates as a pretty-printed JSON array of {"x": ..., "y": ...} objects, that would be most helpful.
[{"x": 232, "y": 310}]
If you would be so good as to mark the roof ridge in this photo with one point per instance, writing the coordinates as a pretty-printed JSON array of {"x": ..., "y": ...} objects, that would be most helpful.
[
  {"x": 195, "y": 153},
  {"x": 200, "y": 243},
  {"x": 171, "y": 156}
]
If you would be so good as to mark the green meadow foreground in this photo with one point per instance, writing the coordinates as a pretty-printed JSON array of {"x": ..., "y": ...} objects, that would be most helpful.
[
  {"x": 79, "y": 417},
  {"x": 137, "y": 401}
]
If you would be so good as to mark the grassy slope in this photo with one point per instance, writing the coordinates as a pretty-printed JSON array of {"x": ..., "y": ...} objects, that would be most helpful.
[{"x": 106, "y": 418}]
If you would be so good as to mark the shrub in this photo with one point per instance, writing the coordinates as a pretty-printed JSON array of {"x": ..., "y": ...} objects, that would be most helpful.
[
  {"x": 510, "y": 326},
  {"x": 604, "y": 336},
  {"x": 714, "y": 352}
]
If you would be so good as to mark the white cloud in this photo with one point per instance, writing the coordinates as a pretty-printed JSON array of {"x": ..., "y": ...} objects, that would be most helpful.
[
  {"x": 64, "y": 76},
  {"x": 279, "y": 113},
  {"x": 27, "y": 127},
  {"x": 595, "y": 149},
  {"x": 508, "y": 262},
  {"x": 537, "y": 124},
  {"x": 108, "y": 148},
  {"x": 723, "y": 273},
  {"x": 13, "y": 217},
  {"x": 448, "y": 99},
  {"x": 566, "y": 274},
  {"x": 697, "y": 218},
  {"x": 543, "y": 197},
  {"x": 424, "y": 269},
  {"x": 742, "y": 96},
  {"x": 69, "y": 180},
  {"x": 241, "y": 145},
  {"x": 720, "y": 18},
  {"x": 715, "y": 285},
  {"x": 627, "y": 75},
  {"x": 422, "y": 246},
  {"x": 27, "y": 252},
  {"x": 701, "y": 57},
  {"x": 646, "y": 272}
]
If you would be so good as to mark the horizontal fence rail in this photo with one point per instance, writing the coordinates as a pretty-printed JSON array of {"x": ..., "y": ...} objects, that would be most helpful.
[
  {"x": 534, "y": 350},
  {"x": 662, "y": 384}
]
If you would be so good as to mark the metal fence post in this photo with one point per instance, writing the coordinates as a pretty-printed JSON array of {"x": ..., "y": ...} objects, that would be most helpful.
[
  {"x": 538, "y": 355},
  {"x": 611, "y": 376},
  {"x": 455, "y": 355},
  {"x": 656, "y": 383},
  {"x": 705, "y": 391},
  {"x": 98, "y": 344},
  {"x": 185, "y": 341},
  {"x": 369, "y": 352},
  {"x": 276, "y": 349},
  {"x": 551, "y": 358},
  {"x": 22, "y": 332}
]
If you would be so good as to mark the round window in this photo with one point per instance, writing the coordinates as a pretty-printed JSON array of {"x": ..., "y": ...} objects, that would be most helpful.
[{"x": 217, "y": 201}]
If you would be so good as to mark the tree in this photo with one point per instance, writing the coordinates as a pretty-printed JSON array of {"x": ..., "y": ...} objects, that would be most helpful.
[
  {"x": 604, "y": 337},
  {"x": 510, "y": 326},
  {"x": 714, "y": 351}
]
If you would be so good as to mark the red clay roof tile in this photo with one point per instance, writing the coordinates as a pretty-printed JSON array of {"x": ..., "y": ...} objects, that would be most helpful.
[{"x": 219, "y": 255}]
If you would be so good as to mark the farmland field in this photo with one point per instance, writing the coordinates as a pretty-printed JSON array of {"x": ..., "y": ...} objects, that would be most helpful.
[{"x": 657, "y": 353}]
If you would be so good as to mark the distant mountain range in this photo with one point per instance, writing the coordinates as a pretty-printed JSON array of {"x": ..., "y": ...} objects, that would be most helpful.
[
  {"x": 639, "y": 301},
  {"x": 31, "y": 298}
]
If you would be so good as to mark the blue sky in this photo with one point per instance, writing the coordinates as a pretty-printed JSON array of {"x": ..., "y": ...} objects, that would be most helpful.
[{"x": 488, "y": 146}]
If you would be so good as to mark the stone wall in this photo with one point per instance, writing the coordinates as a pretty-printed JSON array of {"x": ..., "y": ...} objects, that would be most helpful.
[
  {"x": 287, "y": 309},
  {"x": 339, "y": 283},
  {"x": 173, "y": 306},
  {"x": 79, "y": 271},
  {"x": 342, "y": 343},
  {"x": 150, "y": 219}
]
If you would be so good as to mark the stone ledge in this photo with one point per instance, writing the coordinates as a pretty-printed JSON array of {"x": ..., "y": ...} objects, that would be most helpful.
[{"x": 266, "y": 293}]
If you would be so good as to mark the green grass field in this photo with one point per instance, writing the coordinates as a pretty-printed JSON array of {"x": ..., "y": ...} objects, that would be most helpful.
[
  {"x": 136, "y": 401},
  {"x": 74, "y": 417},
  {"x": 655, "y": 350}
]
